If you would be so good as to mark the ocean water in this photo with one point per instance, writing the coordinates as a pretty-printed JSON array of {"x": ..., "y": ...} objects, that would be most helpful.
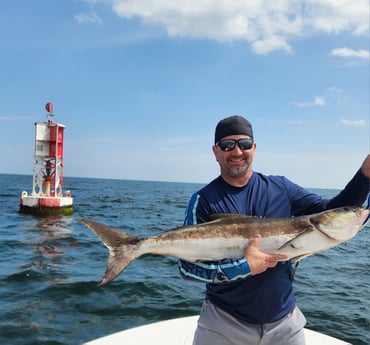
[{"x": 50, "y": 267}]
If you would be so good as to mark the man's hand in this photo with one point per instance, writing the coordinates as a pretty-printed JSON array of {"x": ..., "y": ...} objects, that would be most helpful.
[{"x": 259, "y": 261}]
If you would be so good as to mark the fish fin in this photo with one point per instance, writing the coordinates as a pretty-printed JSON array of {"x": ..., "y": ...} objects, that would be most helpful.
[
  {"x": 300, "y": 257},
  {"x": 290, "y": 242},
  {"x": 118, "y": 261},
  {"x": 228, "y": 215},
  {"x": 123, "y": 248}
]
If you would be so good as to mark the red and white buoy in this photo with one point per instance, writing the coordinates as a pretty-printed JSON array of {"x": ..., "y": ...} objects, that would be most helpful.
[{"x": 47, "y": 189}]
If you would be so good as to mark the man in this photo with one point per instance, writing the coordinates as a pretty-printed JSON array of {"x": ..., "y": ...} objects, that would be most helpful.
[{"x": 250, "y": 300}]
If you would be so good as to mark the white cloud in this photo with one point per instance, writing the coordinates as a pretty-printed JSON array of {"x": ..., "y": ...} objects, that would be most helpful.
[
  {"x": 335, "y": 94},
  {"x": 354, "y": 123},
  {"x": 334, "y": 91},
  {"x": 296, "y": 122},
  {"x": 334, "y": 16},
  {"x": 318, "y": 101},
  {"x": 88, "y": 18},
  {"x": 16, "y": 118},
  {"x": 267, "y": 25},
  {"x": 270, "y": 44},
  {"x": 347, "y": 52}
]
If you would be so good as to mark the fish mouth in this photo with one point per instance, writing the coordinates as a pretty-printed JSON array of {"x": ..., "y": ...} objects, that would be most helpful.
[{"x": 367, "y": 217}]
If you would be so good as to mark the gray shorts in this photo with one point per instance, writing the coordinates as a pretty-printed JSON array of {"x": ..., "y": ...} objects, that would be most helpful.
[{"x": 217, "y": 327}]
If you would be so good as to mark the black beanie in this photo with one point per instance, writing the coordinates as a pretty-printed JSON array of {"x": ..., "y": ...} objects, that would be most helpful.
[{"x": 231, "y": 126}]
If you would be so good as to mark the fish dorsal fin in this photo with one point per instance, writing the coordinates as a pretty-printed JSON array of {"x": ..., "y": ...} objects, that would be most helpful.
[{"x": 228, "y": 215}]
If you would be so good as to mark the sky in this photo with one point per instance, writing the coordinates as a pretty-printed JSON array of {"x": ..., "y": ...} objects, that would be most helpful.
[{"x": 141, "y": 84}]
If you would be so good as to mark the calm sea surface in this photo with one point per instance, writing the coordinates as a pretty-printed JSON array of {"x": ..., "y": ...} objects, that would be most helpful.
[{"x": 49, "y": 268}]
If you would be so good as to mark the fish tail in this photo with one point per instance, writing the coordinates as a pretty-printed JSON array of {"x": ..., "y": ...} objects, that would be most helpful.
[{"x": 123, "y": 248}]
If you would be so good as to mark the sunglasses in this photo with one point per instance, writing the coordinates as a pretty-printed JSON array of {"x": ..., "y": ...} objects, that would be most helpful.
[{"x": 229, "y": 144}]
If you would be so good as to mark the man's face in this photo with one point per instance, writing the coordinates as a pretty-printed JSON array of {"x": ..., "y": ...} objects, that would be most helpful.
[{"x": 235, "y": 162}]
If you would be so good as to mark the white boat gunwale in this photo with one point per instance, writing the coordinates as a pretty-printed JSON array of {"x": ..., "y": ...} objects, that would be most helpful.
[{"x": 181, "y": 331}]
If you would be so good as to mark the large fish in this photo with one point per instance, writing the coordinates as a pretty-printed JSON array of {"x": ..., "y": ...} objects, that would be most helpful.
[{"x": 227, "y": 236}]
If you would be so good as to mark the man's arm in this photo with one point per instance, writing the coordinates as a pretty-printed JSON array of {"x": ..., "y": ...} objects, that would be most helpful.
[{"x": 356, "y": 190}]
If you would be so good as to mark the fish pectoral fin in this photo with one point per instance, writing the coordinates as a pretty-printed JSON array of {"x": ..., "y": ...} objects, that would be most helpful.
[
  {"x": 300, "y": 257},
  {"x": 297, "y": 242}
]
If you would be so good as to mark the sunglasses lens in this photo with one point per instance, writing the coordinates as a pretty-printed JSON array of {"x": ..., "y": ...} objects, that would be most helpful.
[
  {"x": 226, "y": 145},
  {"x": 245, "y": 144},
  {"x": 229, "y": 144}
]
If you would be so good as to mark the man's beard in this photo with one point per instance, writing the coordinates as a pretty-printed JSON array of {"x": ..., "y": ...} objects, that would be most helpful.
[{"x": 237, "y": 171}]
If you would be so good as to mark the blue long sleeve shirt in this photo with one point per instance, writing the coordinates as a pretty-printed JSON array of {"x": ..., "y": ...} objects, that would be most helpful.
[{"x": 269, "y": 296}]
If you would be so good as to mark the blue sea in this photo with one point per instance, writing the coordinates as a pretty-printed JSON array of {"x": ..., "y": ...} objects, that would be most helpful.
[{"x": 50, "y": 267}]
